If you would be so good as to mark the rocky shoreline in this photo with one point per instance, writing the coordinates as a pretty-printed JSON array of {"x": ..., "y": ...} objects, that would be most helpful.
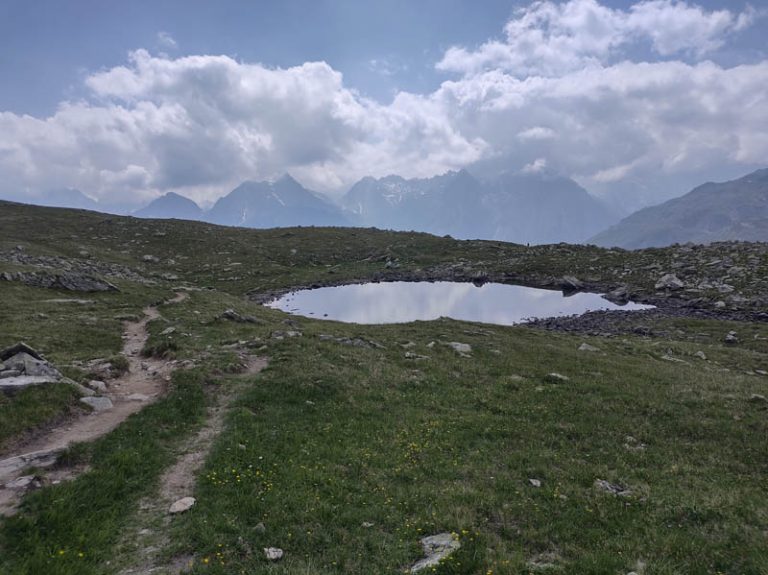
[{"x": 669, "y": 297}]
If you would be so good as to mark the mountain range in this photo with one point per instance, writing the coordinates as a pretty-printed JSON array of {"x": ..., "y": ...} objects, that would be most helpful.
[
  {"x": 515, "y": 207},
  {"x": 535, "y": 208},
  {"x": 522, "y": 208}
]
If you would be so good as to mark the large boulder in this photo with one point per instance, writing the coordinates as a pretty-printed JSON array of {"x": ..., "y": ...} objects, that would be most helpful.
[{"x": 21, "y": 366}]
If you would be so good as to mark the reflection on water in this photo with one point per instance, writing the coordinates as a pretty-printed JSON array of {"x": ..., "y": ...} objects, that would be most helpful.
[{"x": 398, "y": 302}]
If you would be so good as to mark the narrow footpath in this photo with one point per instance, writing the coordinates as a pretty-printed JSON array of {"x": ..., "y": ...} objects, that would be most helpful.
[{"x": 142, "y": 384}]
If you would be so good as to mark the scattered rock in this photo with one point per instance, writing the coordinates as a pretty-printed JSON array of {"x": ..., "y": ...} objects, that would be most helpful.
[
  {"x": 757, "y": 398},
  {"x": 168, "y": 331},
  {"x": 587, "y": 347},
  {"x": 460, "y": 348},
  {"x": 97, "y": 385},
  {"x": 571, "y": 284},
  {"x": 150, "y": 259},
  {"x": 535, "y": 482},
  {"x": 415, "y": 356},
  {"x": 285, "y": 334},
  {"x": 612, "y": 488},
  {"x": 556, "y": 378},
  {"x": 673, "y": 359},
  {"x": 232, "y": 315},
  {"x": 367, "y": 524},
  {"x": 97, "y": 403},
  {"x": 731, "y": 338},
  {"x": 24, "y": 482},
  {"x": 436, "y": 548},
  {"x": 273, "y": 553},
  {"x": 137, "y": 397},
  {"x": 68, "y": 281},
  {"x": 351, "y": 341},
  {"x": 619, "y": 296},
  {"x": 701, "y": 355},
  {"x": 669, "y": 282},
  {"x": 544, "y": 561},
  {"x": 182, "y": 505},
  {"x": 632, "y": 444},
  {"x": 22, "y": 367}
]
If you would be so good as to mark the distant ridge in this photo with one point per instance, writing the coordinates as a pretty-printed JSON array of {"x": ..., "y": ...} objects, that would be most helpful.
[
  {"x": 171, "y": 206},
  {"x": 284, "y": 202},
  {"x": 734, "y": 210},
  {"x": 524, "y": 208}
]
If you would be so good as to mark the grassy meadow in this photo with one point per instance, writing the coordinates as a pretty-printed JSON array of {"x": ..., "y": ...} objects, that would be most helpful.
[{"x": 344, "y": 456}]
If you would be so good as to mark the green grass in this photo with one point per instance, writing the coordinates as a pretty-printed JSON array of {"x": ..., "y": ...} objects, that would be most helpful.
[
  {"x": 332, "y": 436},
  {"x": 336, "y": 436},
  {"x": 72, "y": 527},
  {"x": 33, "y": 407}
]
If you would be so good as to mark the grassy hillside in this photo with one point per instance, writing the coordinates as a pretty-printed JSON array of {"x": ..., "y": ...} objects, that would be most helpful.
[{"x": 345, "y": 455}]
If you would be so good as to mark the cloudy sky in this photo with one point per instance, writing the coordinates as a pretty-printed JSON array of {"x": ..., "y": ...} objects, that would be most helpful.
[{"x": 129, "y": 100}]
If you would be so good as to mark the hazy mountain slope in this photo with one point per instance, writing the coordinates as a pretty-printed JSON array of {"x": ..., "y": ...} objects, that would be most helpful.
[
  {"x": 57, "y": 198},
  {"x": 544, "y": 208},
  {"x": 171, "y": 205},
  {"x": 735, "y": 210},
  {"x": 447, "y": 204},
  {"x": 523, "y": 208},
  {"x": 274, "y": 204}
]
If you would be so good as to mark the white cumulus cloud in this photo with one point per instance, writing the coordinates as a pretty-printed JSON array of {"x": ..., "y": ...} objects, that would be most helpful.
[{"x": 564, "y": 90}]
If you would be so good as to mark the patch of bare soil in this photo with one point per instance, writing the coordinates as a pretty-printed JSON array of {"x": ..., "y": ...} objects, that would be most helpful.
[
  {"x": 142, "y": 384},
  {"x": 145, "y": 543}
]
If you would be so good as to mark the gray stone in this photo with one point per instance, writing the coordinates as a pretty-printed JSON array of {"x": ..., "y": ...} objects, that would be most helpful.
[
  {"x": 150, "y": 259},
  {"x": 182, "y": 505},
  {"x": 97, "y": 403},
  {"x": 30, "y": 365},
  {"x": 669, "y": 282},
  {"x": 587, "y": 347},
  {"x": 701, "y": 355},
  {"x": 11, "y": 384},
  {"x": 97, "y": 385},
  {"x": 556, "y": 378},
  {"x": 232, "y": 315},
  {"x": 612, "y": 488},
  {"x": 436, "y": 548},
  {"x": 757, "y": 398},
  {"x": 461, "y": 348},
  {"x": 570, "y": 283},
  {"x": 620, "y": 295},
  {"x": 137, "y": 397},
  {"x": 273, "y": 553},
  {"x": 731, "y": 338},
  {"x": 535, "y": 482},
  {"x": 21, "y": 483},
  {"x": 81, "y": 389}
]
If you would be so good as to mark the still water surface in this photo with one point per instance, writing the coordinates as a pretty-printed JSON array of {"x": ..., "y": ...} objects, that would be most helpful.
[{"x": 400, "y": 302}]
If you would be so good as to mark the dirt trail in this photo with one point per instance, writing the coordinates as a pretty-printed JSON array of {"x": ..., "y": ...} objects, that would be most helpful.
[
  {"x": 144, "y": 381},
  {"x": 144, "y": 544}
]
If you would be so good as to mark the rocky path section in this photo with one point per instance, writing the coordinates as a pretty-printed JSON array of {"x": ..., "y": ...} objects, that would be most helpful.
[
  {"x": 144, "y": 381},
  {"x": 143, "y": 545}
]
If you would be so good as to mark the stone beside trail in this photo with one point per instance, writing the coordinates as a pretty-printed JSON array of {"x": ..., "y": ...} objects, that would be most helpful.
[
  {"x": 182, "y": 505},
  {"x": 21, "y": 366}
]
